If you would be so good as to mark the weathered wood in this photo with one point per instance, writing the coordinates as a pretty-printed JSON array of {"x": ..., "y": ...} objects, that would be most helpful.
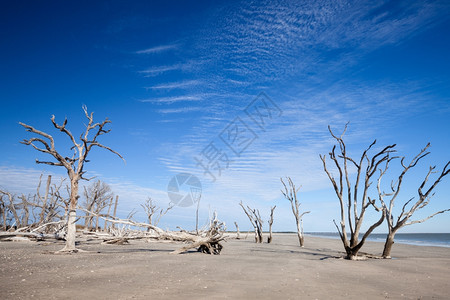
[
  {"x": 256, "y": 221},
  {"x": 353, "y": 205},
  {"x": 209, "y": 238},
  {"x": 269, "y": 239},
  {"x": 409, "y": 207},
  {"x": 291, "y": 195},
  {"x": 74, "y": 165}
]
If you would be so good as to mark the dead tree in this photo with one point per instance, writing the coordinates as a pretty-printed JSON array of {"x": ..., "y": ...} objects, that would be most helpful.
[
  {"x": 73, "y": 164},
  {"x": 153, "y": 212},
  {"x": 12, "y": 217},
  {"x": 269, "y": 239},
  {"x": 3, "y": 212},
  {"x": 26, "y": 213},
  {"x": 97, "y": 197},
  {"x": 353, "y": 203},
  {"x": 238, "y": 235},
  {"x": 44, "y": 199},
  {"x": 291, "y": 195},
  {"x": 409, "y": 207},
  {"x": 105, "y": 227},
  {"x": 256, "y": 221},
  {"x": 115, "y": 209}
]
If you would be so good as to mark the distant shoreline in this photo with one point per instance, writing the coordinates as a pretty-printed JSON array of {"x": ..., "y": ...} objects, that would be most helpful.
[{"x": 417, "y": 239}]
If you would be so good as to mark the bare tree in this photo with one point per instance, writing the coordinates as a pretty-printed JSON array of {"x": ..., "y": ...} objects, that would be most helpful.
[
  {"x": 12, "y": 216},
  {"x": 269, "y": 239},
  {"x": 238, "y": 235},
  {"x": 291, "y": 195},
  {"x": 74, "y": 165},
  {"x": 97, "y": 197},
  {"x": 153, "y": 212},
  {"x": 3, "y": 212},
  {"x": 408, "y": 210},
  {"x": 116, "y": 202},
  {"x": 44, "y": 199},
  {"x": 256, "y": 221},
  {"x": 353, "y": 205}
]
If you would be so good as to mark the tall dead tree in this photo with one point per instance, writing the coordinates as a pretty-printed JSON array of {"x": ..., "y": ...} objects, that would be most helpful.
[
  {"x": 256, "y": 221},
  {"x": 73, "y": 164},
  {"x": 290, "y": 193},
  {"x": 272, "y": 209},
  {"x": 353, "y": 203},
  {"x": 409, "y": 207}
]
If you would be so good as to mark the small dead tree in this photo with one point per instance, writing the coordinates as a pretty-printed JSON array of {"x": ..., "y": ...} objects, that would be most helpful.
[
  {"x": 24, "y": 214},
  {"x": 97, "y": 196},
  {"x": 353, "y": 205},
  {"x": 153, "y": 212},
  {"x": 44, "y": 199},
  {"x": 73, "y": 164},
  {"x": 269, "y": 239},
  {"x": 12, "y": 215},
  {"x": 423, "y": 199},
  {"x": 290, "y": 193},
  {"x": 256, "y": 221},
  {"x": 3, "y": 212},
  {"x": 238, "y": 235}
]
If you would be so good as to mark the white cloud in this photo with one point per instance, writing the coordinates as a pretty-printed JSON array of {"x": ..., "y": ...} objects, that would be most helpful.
[
  {"x": 159, "y": 70},
  {"x": 158, "y": 49},
  {"x": 20, "y": 180},
  {"x": 179, "y": 110},
  {"x": 173, "y": 99},
  {"x": 175, "y": 85}
]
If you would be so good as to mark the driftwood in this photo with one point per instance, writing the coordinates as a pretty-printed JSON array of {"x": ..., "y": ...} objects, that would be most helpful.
[{"x": 207, "y": 241}]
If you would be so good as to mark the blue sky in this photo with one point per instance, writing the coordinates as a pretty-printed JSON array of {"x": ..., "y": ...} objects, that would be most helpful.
[{"x": 174, "y": 77}]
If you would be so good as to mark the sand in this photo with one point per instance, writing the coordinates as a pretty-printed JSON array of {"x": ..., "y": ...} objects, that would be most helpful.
[{"x": 244, "y": 270}]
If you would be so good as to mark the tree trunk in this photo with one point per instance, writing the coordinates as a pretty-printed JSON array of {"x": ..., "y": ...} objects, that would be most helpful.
[
  {"x": 115, "y": 210},
  {"x": 301, "y": 239},
  {"x": 71, "y": 226},
  {"x": 44, "y": 204},
  {"x": 269, "y": 239},
  {"x": 388, "y": 245},
  {"x": 105, "y": 227},
  {"x": 4, "y": 217},
  {"x": 238, "y": 236},
  {"x": 351, "y": 253}
]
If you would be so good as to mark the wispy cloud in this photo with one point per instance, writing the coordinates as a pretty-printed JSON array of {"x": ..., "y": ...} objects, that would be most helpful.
[
  {"x": 23, "y": 180},
  {"x": 175, "y": 85},
  {"x": 169, "y": 100},
  {"x": 179, "y": 110},
  {"x": 271, "y": 40},
  {"x": 158, "y": 49},
  {"x": 150, "y": 72}
]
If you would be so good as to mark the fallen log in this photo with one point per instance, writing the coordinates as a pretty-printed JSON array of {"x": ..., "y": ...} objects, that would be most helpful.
[{"x": 207, "y": 241}]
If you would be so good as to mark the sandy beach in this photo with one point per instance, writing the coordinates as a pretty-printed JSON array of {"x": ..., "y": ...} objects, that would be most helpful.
[{"x": 244, "y": 270}]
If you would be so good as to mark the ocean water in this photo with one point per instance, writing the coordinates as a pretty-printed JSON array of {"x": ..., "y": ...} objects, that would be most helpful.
[{"x": 421, "y": 239}]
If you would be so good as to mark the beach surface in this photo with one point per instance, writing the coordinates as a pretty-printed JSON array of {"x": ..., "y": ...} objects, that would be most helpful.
[{"x": 244, "y": 270}]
